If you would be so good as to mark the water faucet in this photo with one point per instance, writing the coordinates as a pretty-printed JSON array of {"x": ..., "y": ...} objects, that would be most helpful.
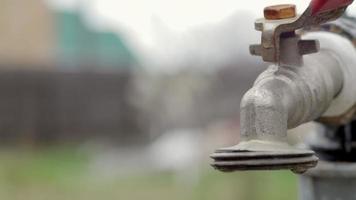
[{"x": 311, "y": 78}]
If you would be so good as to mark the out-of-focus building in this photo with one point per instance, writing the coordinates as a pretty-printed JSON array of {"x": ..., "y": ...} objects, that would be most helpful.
[
  {"x": 83, "y": 86},
  {"x": 80, "y": 47},
  {"x": 26, "y": 34},
  {"x": 34, "y": 35},
  {"x": 62, "y": 80}
]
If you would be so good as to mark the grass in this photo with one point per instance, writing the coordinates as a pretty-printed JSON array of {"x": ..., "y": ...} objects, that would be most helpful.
[{"x": 62, "y": 173}]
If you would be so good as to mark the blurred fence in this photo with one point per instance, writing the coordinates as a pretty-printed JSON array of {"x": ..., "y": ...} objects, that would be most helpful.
[
  {"x": 120, "y": 106},
  {"x": 53, "y": 106}
]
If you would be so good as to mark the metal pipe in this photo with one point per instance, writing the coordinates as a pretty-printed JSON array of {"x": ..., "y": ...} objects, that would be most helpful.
[{"x": 284, "y": 97}]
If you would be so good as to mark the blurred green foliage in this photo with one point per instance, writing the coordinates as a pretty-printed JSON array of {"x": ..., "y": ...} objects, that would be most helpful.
[
  {"x": 79, "y": 44},
  {"x": 63, "y": 173}
]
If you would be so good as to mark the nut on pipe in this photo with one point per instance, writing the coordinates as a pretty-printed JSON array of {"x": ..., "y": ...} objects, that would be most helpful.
[{"x": 283, "y": 11}]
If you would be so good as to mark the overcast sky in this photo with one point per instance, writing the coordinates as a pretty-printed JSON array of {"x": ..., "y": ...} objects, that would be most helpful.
[
  {"x": 155, "y": 27},
  {"x": 179, "y": 15}
]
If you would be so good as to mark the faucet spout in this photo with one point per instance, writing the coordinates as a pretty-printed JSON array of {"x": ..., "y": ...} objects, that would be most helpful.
[
  {"x": 264, "y": 112},
  {"x": 284, "y": 97}
]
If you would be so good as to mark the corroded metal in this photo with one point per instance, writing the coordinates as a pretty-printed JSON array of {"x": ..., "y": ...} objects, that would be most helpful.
[
  {"x": 283, "y": 11},
  {"x": 273, "y": 31}
]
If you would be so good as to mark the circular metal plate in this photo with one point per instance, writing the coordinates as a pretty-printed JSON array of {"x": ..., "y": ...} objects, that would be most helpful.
[{"x": 298, "y": 161}]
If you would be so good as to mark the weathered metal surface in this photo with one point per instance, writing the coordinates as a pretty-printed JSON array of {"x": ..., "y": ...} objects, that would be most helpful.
[
  {"x": 285, "y": 97},
  {"x": 335, "y": 176},
  {"x": 334, "y": 143},
  {"x": 345, "y": 27},
  {"x": 329, "y": 181},
  {"x": 283, "y": 11},
  {"x": 297, "y": 161},
  {"x": 345, "y": 52},
  {"x": 296, "y": 90},
  {"x": 263, "y": 155},
  {"x": 340, "y": 119},
  {"x": 273, "y": 31}
]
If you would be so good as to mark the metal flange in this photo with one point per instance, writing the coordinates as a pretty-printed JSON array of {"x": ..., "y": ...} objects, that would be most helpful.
[{"x": 230, "y": 159}]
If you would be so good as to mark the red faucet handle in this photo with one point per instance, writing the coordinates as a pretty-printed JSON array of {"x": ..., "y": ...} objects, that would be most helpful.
[{"x": 321, "y": 6}]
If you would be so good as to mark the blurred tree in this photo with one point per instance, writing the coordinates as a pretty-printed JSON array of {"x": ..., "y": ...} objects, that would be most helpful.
[{"x": 80, "y": 46}]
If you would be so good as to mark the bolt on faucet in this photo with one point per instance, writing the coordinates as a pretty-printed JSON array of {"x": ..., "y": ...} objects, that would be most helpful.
[{"x": 311, "y": 78}]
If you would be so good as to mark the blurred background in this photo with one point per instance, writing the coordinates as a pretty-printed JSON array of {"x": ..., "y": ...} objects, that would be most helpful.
[{"x": 118, "y": 99}]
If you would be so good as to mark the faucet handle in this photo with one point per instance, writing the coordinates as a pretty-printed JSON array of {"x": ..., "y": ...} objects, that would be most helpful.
[
  {"x": 281, "y": 22},
  {"x": 283, "y": 11}
]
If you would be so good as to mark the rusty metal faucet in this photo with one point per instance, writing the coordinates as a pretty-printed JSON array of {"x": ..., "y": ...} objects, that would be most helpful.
[{"x": 311, "y": 77}]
